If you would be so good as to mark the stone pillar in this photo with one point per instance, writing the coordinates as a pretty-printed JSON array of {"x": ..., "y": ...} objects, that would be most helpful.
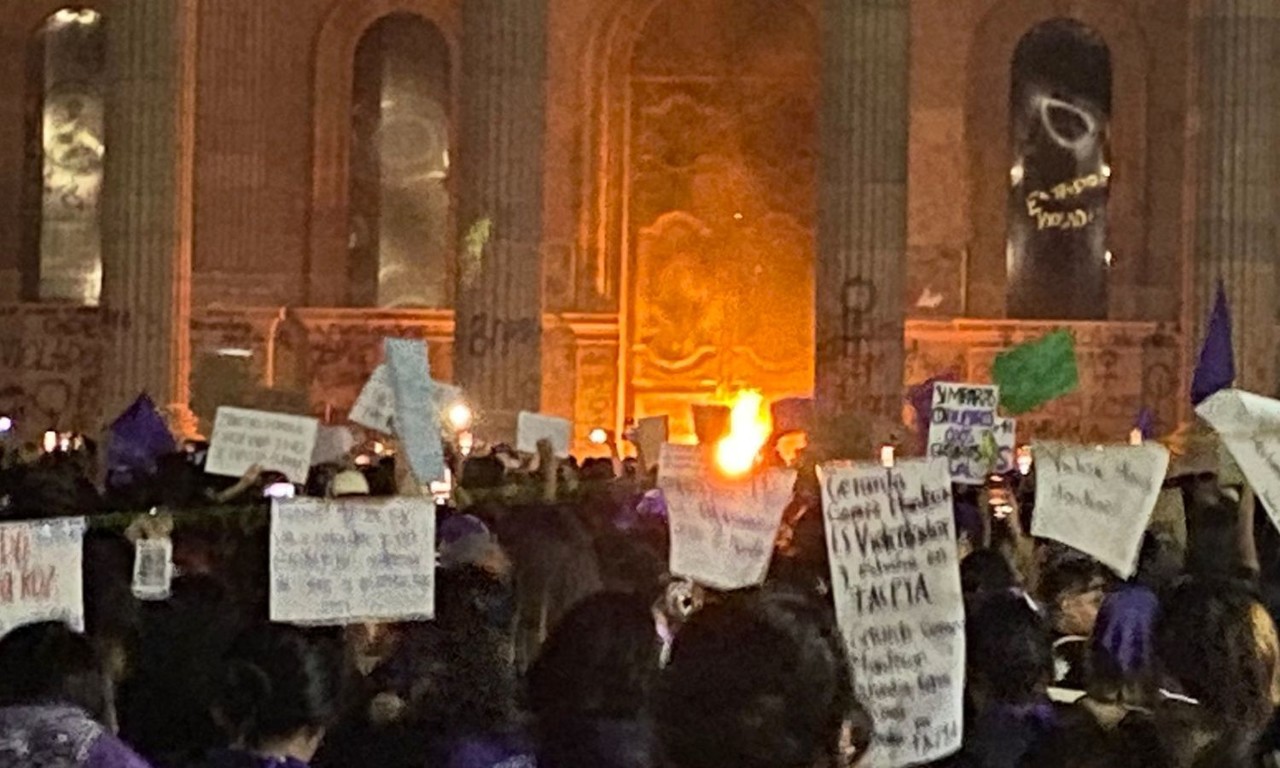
[
  {"x": 862, "y": 209},
  {"x": 1237, "y": 201},
  {"x": 503, "y": 124},
  {"x": 148, "y": 202}
]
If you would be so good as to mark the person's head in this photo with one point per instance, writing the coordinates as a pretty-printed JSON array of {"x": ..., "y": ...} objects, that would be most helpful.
[
  {"x": 1072, "y": 587},
  {"x": 1122, "y": 648},
  {"x": 599, "y": 661},
  {"x": 48, "y": 663},
  {"x": 1218, "y": 645},
  {"x": 1009, "y": 649},
  {"x": 984, "y": 571},
  {"x": 281, "y": 688},
  {"x": 757, "y": 681}
]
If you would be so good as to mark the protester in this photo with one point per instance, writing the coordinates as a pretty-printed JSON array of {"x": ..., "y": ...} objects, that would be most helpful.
[
  {"x": 589, "y": 687},
  {"x": 281, "y": 690},
  {"x": 56, "y": 708},
  {"x": 759, "y": 681}
]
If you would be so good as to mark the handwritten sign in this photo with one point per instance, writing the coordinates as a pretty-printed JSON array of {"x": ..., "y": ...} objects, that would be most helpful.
[
  {"x": 533, "y": 427},
  {"x": 375, "y": 408},
  {"x": 40, "y": 573},
  {"x": 651, "y": 434},
  {"x": 895, "y": 578},
  {"x": 1249, "y": 426},
  {"x": 962, "y": 423},
  {"x": 343, "y": 561},
  {"x": 417, "y": 420},
  {"x": 722, "y": 530},
  {"x": 1098, "y": 499},
  {"x": 273, "y": 441}
]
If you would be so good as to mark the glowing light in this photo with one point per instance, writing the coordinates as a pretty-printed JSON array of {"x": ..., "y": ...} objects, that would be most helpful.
[
  {"x": 598, "y": 436},
  {"x": 887, "y": 456},
  {"x": 50, "y": 441},
  {"x": 84, "y": 16},
  {"x": 749, "y": 428},
  {"x": 1024, "y": 460},
  {"x": 1108, "y": 257},
  {"x": 1135, "y": 436},
  {"x": 460, "y": 417},
  {"x": 1015, "y": 174},
  {"x": 6, "y": 424},
  {"x": 1106, "y": 171}
]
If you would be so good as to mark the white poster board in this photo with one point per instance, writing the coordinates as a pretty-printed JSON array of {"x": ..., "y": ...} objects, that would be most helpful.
[
  {"x": 343, "y": 561},
  {"x": 417, "y": 421},
  {"x": 1249, "y": 426},
  {"x": 722, "y": 530},
  {"x": 1098, "y": 499},
  {"x": 963, "y": 417},
  {"x": 375, "y": 408},
  {"x": 41, "y": 572},
  {"x": 896, "y": 582},
  {"x": 274, "y": 441},
  {"x": 533, "y": 427}
]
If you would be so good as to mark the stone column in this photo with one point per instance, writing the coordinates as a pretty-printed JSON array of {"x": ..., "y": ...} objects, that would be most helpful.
[
  {"x": 1237, "y": 202},
  {"x": 147, "y": 202},
  {"x": 862, "y": 209},
  {"x": 503, "y": 124}
]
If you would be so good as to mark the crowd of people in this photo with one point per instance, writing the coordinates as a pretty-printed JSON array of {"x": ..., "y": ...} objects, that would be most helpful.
[{"x": 560, "y": 641}]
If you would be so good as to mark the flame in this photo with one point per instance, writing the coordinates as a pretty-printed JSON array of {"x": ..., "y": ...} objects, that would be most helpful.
[{"x": 750, "y": 425}]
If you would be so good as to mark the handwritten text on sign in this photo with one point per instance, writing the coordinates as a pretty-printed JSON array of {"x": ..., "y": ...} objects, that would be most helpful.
[
  {"x": 961, "y": 429},
  {"x": 1098, "y": 499},
  {"x": 722, "y": 530},
  {"x": 896, "y": 584},
  {"x": 274, "y": 441},
  {"x": 1249, "y": 426},
  {"x": 343, "y": 561},
  {"x": 40, "y": 573}
]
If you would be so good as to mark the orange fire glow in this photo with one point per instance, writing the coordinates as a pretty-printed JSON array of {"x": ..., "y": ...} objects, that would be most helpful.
[{"x": 750, "y": 425}]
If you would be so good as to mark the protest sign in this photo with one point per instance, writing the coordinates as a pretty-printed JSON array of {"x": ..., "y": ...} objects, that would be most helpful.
[
  {"x": 1249, "y": 426},
  {"x": 40, "y": 573},
  {"x": 1098, "y": 500},
  {"x": 343, "y": 561},
  {"x": 895, "y": 578},
  {"x": 375, "y": 408},
  {"x": 961, "y": 425},
  {"x": 650, "y": 435},
  {"x": 1032, "y": 374},
  {"x": 273, "y": 441},
  {"x": 710, "y": 423},
  {"x": 417, "y": 419},
  {"x": 722, "y": 530},
  {"x": 533, "y": 427},
  {"x": 152, "y": 568},
  {"x": 1005, "y": 444}
]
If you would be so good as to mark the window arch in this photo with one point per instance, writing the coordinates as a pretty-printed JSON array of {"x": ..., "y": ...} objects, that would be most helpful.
[
  {"x": 1060, "y": 117},
  {"x": 62, "y": 213},
  {"x": 400, "y": 221}
]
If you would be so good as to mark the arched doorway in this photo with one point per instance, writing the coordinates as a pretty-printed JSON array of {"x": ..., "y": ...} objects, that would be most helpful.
[{"x": 718, "y": 200}]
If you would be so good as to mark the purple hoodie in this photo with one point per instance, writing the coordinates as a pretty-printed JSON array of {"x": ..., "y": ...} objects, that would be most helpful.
[{"x": 58, "y": 736}]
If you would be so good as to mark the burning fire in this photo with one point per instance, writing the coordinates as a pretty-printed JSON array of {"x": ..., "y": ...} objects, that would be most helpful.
[{"x": 749, "y": 428}]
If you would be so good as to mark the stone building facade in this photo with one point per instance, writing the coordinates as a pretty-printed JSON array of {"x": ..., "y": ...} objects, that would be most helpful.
[{"x": 610, "y": 208}]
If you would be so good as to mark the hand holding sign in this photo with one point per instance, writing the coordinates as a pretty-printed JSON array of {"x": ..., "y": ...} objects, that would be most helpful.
[
  {"x": 1249, "y": 425},
  {"x": 274, "y": 441}
]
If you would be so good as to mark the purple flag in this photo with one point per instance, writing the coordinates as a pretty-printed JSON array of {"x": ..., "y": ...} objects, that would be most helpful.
[
  {"x": 1217, "y": 367},
  {"x": 1146, "y": 423},
  {"x": 138, "y": 438}
]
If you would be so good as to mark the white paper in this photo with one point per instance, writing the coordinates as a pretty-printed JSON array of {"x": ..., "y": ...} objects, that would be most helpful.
[
  {"x": 650, "y": 435},
  {"x": 1098, "y": 500},
  {"x": 152, "y": 568},
  {"x": 274, "y": 441},
  {"x": 375, "y": 408},
  {"x": 532, "y": 427},
  {"x": 417, "y": 421},
  {"x": 895, "y": 579},
  {"x": 963, "y": 417},
  {"x": 333, "y": 445},
  {"x": 722, "y": 531},
  {"x": 41, "y": 573},
  {"x": 1249, "y": 426},
  {"x": 343, "y": 561}
]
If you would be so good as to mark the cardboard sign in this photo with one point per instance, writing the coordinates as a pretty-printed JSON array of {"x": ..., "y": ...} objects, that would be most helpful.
[
  {"x": 961, "y": 429},
  {"x": 651, "y": 434},
  {"x": 375, "y": 408},
  {"x": 895, "y": 578},
  {"x": 273, "y": 441},
  {"x": 1098, "y": 500},
  {"x": 40, "y": 573},
  {"x": 417, "y": 420},
  {"x": 722, "y": 530},
  {"x": 344, "y": 561},
  {"x": 1249, "y": 426},
  {"x": 532, "y": 427}
]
